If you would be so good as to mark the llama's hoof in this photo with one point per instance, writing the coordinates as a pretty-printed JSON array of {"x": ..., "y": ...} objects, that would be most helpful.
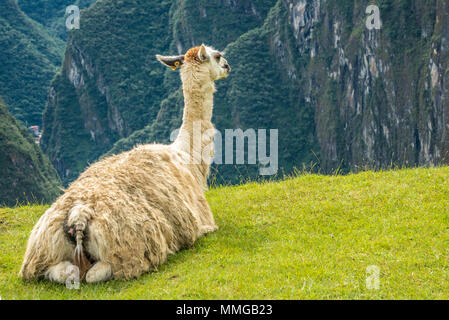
[
  {"x": 208, "y": 229},
  {"x": 61, "y": 272},
  {"x": 101, "y": 271}
]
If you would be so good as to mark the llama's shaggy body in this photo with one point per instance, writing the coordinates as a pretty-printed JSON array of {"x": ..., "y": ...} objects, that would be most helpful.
[
  {"x": 128, "y": 212},
  {"x": 140, "y": 206}
]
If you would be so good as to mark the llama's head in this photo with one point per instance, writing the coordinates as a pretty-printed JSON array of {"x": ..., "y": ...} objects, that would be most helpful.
[{"x": 202, "y": 61}]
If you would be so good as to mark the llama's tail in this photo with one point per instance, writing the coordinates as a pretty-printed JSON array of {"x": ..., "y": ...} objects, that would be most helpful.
[{"x": 77, "y": 225}]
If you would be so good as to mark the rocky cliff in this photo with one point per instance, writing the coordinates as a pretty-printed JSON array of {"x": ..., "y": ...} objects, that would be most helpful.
[
  {"x": 51, "y": 14},
  {"x": 380, "y": 96}
]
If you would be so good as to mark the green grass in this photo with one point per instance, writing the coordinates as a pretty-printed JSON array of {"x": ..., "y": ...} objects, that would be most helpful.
[{"x": 310, "y": 237}]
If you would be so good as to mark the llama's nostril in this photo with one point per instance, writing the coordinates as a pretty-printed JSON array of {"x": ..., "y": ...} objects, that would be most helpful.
[{"x": 227, "y": 67}]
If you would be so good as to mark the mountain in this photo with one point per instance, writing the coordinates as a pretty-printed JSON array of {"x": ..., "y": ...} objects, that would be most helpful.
[
  {"x": 371, "y": 98},
  {"x": 111, "y": 84},
  {"x": 29, "y": 58},
  {"x": 343, "y": 97},
  {"x": 32, "y": 45},
  {"x": 26, "y": 175},
  {"x": 51, "y": 13},
  {"x": 380, "y": 96}
]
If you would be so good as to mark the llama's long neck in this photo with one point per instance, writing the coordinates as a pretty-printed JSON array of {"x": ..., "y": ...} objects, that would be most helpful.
[{"x": 197, "y": 131}]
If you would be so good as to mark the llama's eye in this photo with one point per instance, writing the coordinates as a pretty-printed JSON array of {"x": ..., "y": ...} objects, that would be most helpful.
[{"x": 217, "y": 57}]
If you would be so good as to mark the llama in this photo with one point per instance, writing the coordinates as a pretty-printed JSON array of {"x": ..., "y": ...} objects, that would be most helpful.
[{"x": 125, "y": 214}]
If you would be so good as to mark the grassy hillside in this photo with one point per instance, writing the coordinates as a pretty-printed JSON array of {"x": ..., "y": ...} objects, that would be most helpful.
[
  {"x": 310, "y": 237},
  {"x": 26, "y": 174}
]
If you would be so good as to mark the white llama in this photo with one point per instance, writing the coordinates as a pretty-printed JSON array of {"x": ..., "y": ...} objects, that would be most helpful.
[{"x": 126, "y": 213}]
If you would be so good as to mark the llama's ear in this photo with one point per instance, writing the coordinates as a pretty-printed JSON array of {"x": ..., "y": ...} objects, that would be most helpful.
[
  {"x": 171, "y": 61},
  {"x": 202, "y": 53}
]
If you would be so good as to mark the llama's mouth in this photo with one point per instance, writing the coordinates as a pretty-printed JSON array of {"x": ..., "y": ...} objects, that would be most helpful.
[{"x": 227, "y": 72}]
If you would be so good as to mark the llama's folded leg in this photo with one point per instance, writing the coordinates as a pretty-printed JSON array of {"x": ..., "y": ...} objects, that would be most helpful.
[
  {"x": 59, "y": 273},
  {"x": 100, "y": 271}
]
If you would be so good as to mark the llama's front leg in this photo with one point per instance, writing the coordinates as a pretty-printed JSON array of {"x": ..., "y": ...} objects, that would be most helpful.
[
  {"x": 100, "y": 271},
  {"x": 59, "y": 273},
  {"x": 208, "y": 229}
]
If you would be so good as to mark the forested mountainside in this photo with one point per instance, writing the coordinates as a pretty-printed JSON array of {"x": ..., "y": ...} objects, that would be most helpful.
[
  {"x": 342, "y": 96},
  {"x": 51, "y": 13},
  {"x": 111, "y": 84},
  {"x": 29, "y": 58},
  {"x": 32, "y": 34},
  {"x": 26, "y": 174}
]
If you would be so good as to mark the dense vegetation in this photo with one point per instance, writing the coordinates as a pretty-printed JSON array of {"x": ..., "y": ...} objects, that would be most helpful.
[
  {"x": 127, "y": 89},
  {"x": 311, "y": 237},
  {"x": 108, "y": 91},
  {"x": 51, "y": 13},
  {"x": 26, "y": 174},
  {"x": 32, "y": 35},
  {"x": 29, "y": 58}
]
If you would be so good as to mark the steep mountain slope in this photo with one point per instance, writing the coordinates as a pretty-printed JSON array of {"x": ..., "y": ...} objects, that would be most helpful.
[
  {"x": 51, "y": 13},
  {"x": 29, "y": 58},
  {"x": 371, "y": 98},
  {"x": 216, "y": 22},
  {"x": 343, "y": 97},
  {"x": 111, "y": 84},
  {"x": 26, "y": 174},
  {"x": 380, "y": 96}
]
